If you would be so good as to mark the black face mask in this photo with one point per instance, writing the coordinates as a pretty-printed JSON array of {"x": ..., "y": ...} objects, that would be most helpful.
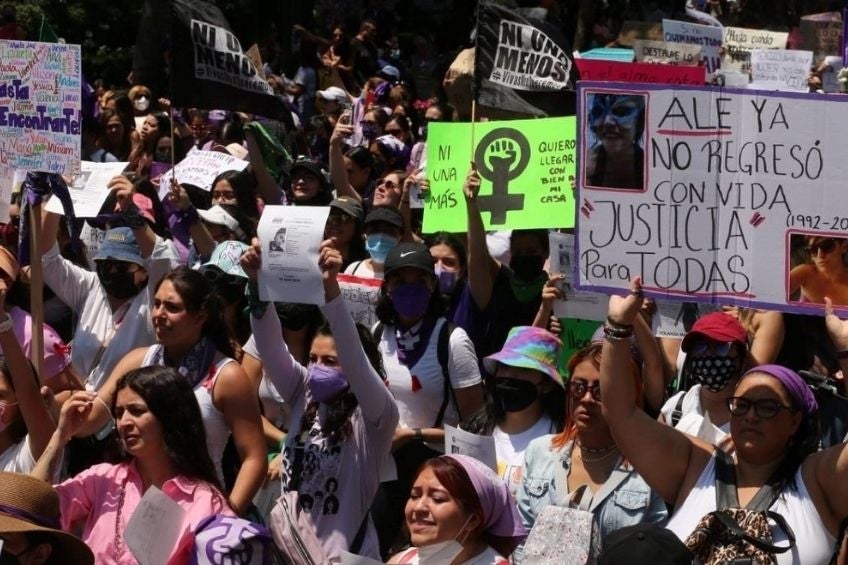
[
  {"x": 527, "y": 267},
  {"x": 120, "y": 285},
  {"x": 714, "y": 372},
  {"x": 515, "y": 395}
]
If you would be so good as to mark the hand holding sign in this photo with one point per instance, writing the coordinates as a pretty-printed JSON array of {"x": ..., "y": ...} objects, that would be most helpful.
[
  {"x": 836, "y": 328},
  {"x": 122, "y": 187},
  {"x": 471, "y": 188},
  {"x": 624, "y": 309},
  {"x": 251, "y": 260}
]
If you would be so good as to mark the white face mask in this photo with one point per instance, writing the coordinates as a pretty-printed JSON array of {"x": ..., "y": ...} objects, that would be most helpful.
[
  {"x": 141, "y": 103},
  {"x": 444, "y": 552}
]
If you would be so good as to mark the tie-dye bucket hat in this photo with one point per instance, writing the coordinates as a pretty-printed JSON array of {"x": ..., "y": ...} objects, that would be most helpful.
[{"x": 528, "y": 347}]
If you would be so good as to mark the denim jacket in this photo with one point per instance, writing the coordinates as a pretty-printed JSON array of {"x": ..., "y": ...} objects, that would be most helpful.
[{"x": 631, "y": 502}]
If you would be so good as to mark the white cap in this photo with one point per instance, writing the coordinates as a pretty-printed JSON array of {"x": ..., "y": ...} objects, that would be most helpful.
[
  {"x": 333, "y": 93},
  {"x": 218, "y": 216}
]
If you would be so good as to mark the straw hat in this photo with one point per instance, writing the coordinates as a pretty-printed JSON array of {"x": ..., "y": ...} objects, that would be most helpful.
[{"x": 30, "y": 505}]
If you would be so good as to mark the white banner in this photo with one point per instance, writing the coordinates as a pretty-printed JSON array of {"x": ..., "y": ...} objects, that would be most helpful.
[
  {"x": 199, "y": 168},
  {"x": 735, "y": 196},
  {"x": 780, "y": 69}
]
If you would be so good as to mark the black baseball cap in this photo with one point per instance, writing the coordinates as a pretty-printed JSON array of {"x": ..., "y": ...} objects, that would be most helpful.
[
  {"x": 414, "y": 255},
  {"x": 644, "y": 543},
  {"x": 386, "y": 214},
  {"x": 349, "y": 206}
]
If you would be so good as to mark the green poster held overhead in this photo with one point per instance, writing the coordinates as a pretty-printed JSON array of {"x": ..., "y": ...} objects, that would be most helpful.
[
  {"x": 576, "y": 334},
  {"x": 526, "y": 168}
]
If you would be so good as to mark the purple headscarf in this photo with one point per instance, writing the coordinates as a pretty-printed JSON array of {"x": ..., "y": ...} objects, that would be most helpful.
[
  {"x": 802, "y": 396},
  {"x": 500, "y": 515}
]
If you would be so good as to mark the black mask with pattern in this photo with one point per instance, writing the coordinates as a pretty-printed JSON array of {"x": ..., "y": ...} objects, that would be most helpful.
[{"x": 714, "y": 372}]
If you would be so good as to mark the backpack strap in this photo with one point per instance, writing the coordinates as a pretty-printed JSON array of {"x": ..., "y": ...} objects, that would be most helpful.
[
  {"x": 677, "y": 413},
  {"x": 443, "y": 354},
  {"x": 730, "y": 524},
  {"x": 726, "y": 495},
  {"x": 377, "y": 332}
]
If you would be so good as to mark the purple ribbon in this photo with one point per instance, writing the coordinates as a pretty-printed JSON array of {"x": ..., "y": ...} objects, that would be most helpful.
[
  {"x": 35, "y": 188},
  {"x": 36, "y": 519}
]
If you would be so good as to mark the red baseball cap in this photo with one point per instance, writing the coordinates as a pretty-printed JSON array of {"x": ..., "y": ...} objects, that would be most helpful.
[{"x": 716, "y": 326}]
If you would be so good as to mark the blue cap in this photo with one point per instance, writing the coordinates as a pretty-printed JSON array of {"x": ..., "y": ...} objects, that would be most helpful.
[{"x": 120, "y": 245}]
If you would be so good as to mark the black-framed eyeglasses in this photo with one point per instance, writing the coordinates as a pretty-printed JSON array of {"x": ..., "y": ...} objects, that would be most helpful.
[
  {"x": 703, "y": 346},
  {"x": 578, "y": 389},
  {"x": 826, "y": 246},
  {"x": 764, "y": 408}
]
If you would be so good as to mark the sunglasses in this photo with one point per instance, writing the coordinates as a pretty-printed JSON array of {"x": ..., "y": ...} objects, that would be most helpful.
[
  {"x": 578, "y": 389},
  {"x": 765, "y": 408},
  {"x": 622, "y": 111},
  {"x": 825, "y": 246},
  {"x": 388, "y": 184},
  {"x": 112, "y": 266},
  {"x": 702, "y": 347}
]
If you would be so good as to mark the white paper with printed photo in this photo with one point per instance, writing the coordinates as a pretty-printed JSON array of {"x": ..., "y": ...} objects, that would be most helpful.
[
  {"x": 780, "y": 69},
  {"x": 154, "y": 528},
  {"x": 673, "y": 319},
  {"x": 89, "y": 189},
  {"x": 291, "y": 237},
  {"x": 581, "y": 304},
  {"x": 199, "y": 168},
  {"x": 361, "y": 295},
  {"x": 481, "y": 448}
]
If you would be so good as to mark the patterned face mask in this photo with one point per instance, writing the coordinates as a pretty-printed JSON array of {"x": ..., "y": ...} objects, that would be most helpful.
[{"x": 713, "y": 371}]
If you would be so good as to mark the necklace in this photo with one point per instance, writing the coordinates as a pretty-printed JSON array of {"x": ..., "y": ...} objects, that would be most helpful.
[
  {"x": 596, "y": 450},
  {"x": 596, "y": 459}
]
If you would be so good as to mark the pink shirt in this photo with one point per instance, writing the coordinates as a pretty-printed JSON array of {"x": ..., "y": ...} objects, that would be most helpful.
[{"x": 92, "y": 498}]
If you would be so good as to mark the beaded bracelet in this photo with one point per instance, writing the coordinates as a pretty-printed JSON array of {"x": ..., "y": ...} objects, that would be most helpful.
[
  {"x": 612, "y": 334},
  {"x": 617, "y": 325}
]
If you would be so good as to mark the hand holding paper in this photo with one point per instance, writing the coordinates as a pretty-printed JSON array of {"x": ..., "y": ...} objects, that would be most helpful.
[
  {"x": 123, "y": 189},
  {"x": 330, "y": 262}
]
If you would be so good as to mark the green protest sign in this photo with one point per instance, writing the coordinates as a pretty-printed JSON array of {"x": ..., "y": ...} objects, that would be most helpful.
[
  {"x": 526, "y": 168},
  {"x": 576, "y": 334}
]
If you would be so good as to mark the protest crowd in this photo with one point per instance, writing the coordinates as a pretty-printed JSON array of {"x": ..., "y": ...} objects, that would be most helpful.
[{"x": 373, "y": 298}]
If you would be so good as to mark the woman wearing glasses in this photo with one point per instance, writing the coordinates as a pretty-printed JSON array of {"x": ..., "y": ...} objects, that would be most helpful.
[
  {"x": 616, "y": 158},
  {"x": 826, "y": 275},
  {"x": 774, "y": 428},
  {"x": 584, "y": 459}
]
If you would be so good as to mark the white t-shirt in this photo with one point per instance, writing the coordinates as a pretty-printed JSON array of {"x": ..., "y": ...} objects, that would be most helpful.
[
  {"x": 274, "y": 408},
  {"x": 18, "y": 458},
  {"x": 692, "y": 421},
  {"x": 103, "y": 337},
  {"x": 509, "y": 450},
  {"x": 363, "y": 269},
  {"x": 419, "y": 392}
]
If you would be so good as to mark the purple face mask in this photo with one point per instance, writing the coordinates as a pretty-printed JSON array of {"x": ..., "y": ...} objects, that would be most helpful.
[
  {"x": 447, "y": 280},
  {"x": 325, "y": 383},
  {"x": 410, "y": 300}
]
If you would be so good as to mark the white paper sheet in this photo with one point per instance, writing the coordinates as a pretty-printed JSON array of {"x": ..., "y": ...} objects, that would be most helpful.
[
  {"x": 481, "y": 448},
  {"x": 88, "y": 189},
  {"x": 154, "y": 528}
]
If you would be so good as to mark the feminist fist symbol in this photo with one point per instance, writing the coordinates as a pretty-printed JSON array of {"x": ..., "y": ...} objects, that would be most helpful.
[{"x": 502, "y": 155}]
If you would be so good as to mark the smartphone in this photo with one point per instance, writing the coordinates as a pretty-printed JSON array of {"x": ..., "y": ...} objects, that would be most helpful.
[{"x": 346, "y": 116}]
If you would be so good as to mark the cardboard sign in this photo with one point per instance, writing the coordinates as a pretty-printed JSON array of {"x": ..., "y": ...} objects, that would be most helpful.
[
  {"x": 639, "y": 72},
  {"x": 526, "y": 168},
  {"x": 664, "y": 52},
  {"x": 40, "y": 97},
  {"x": 576, "y": 334},
  {"x": 708, "y": 37},
  {"x": 740, "y": 42},
  {"x": 740, "y": 198},
  {"x": 780, "y": 69},
  {"x": 361, "y": 296},
  {"x": 199, "y": 168},
  {"x": 822, "y": 34}
]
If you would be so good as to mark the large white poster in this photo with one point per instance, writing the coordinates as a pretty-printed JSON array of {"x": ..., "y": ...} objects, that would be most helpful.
[{"x": 714, "y": 195}]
